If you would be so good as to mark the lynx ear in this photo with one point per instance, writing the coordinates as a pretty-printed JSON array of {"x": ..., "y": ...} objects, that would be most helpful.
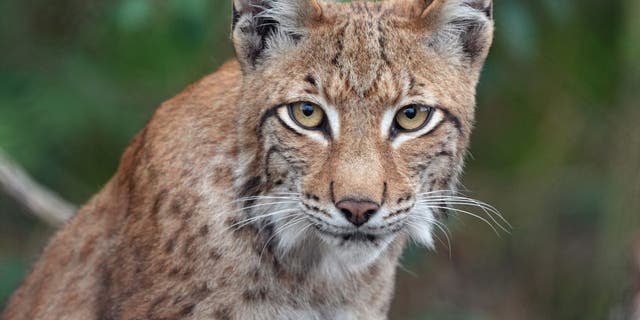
[
  {"x": 260, "y": 26},
  {"x": 462, "y": 29}
]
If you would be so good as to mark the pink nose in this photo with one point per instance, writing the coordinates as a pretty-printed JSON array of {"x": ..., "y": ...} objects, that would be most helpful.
[{"x": 357, "y": 212}]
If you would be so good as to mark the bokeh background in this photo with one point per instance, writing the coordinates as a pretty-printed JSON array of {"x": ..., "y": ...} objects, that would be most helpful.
[{"x": 556, "y": 148}]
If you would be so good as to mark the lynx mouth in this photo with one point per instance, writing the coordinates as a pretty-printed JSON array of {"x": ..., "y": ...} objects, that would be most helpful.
[{"x": 357, "y": 236}]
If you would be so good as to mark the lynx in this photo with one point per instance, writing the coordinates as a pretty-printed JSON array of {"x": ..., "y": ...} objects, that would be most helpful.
[{"x": 286, "y": 184}]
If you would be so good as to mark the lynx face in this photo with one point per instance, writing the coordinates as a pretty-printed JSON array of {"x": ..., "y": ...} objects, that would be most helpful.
[{"x": 354, "y": 115}]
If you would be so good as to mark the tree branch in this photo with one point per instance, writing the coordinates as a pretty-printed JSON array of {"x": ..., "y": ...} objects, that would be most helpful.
[
  {"x": 635, "y": 304},
  {"x": 37, "y": 199}
]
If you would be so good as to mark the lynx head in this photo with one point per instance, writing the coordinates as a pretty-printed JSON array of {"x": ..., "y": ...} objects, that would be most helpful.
[{"x": 353, "y": 114}]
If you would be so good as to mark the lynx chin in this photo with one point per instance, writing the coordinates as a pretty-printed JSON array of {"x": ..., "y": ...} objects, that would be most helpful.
[{"x": 286, "y": 184}]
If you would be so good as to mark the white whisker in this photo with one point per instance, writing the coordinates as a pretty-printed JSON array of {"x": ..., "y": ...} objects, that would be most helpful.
[
  {"x": 441, "y": 227},
  {"x": 429, "y": 197},
  {"x": 488, "y": 211},
  {"x": 264, "y": 204},
  {"x": 245, "y": 222},
  {"x": 461, "y": 199},
  {"x": 280, "y": 230},
  {"x": 468, "y": 213},
  {"x": 405, "y": 269},
  {"x": 434, "y": 192},
  {"x": 254, "y": 198},
  {"x": 464, "y": 199},
  {"x": 286, "y": 193}
]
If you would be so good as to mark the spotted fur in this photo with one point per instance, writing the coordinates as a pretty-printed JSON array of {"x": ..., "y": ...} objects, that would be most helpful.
[{"x": 222, "y": 208}]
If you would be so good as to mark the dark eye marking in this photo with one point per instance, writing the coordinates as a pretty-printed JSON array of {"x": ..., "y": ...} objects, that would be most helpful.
[
  {"x": 271, "y": 113},
  {"x": 284, "y": 124},
  {"x": 310, "y": 79},
  {"x": 265, "y": 116},
  {"x": 448, "y": 116}
]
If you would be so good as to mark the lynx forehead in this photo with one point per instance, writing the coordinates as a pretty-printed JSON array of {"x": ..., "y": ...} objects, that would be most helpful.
[{"x": 285, "y": 185}]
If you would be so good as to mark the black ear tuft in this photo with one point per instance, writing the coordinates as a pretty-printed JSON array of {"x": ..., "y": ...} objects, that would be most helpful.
[
  {"x": 473, "y": 39},
  {"x": 465, "y": 30},
  {"x": 263, "y": 25},
  {"x": 262, "y": 29},
  {"x": 487, "y": 9},
  {"x": 236, "y": 17},
  {"x": 484, "y": 6}
]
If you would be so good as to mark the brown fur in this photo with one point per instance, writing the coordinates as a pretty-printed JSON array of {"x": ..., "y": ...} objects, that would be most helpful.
[{"x": 160, "y": 240}]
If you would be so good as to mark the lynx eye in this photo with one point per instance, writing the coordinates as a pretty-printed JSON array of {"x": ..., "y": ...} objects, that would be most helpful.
[
  {"x": 413, "y": 117},
  {"x": 306, "y": 114}
]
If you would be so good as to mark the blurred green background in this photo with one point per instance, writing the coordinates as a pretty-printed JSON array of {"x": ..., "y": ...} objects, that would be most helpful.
[{"x": 556, "y": 148}]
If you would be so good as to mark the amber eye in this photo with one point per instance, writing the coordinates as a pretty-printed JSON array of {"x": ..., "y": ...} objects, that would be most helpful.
[
  {"x": 413, "y": 117},
  {"x": 306, "y": 114}
]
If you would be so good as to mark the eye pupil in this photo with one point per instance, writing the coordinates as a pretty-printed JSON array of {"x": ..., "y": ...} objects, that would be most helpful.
[
  {"x": 410, "y": 112},
  {"x": 307, "y": 110}
]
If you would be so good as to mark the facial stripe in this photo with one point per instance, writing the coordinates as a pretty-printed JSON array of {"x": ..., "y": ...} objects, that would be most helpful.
[
  {"x": 265, "y": 116},
  {"x": 289, "y": 126},
  {"x": 454, "y": 120},
  {"x": 274, "y": 112}
]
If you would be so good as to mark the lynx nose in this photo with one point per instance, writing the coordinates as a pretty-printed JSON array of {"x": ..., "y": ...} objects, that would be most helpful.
[{"x": 357, "y": 212}]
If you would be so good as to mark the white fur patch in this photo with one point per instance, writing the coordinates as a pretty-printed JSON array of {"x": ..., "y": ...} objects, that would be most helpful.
[
  {"x": 421, "y": 226},
  {"x": 334, "y": 120},
  {"x": 387, "y": 121}
]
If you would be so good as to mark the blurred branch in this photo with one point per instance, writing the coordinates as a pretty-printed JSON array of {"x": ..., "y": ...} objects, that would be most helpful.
[
  {"x": 40, "y": 201},
  {"x": 635, "y": 304}
]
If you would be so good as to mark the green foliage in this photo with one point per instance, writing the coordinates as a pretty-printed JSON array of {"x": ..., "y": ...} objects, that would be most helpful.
[{"x": 11, "y": 273}]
